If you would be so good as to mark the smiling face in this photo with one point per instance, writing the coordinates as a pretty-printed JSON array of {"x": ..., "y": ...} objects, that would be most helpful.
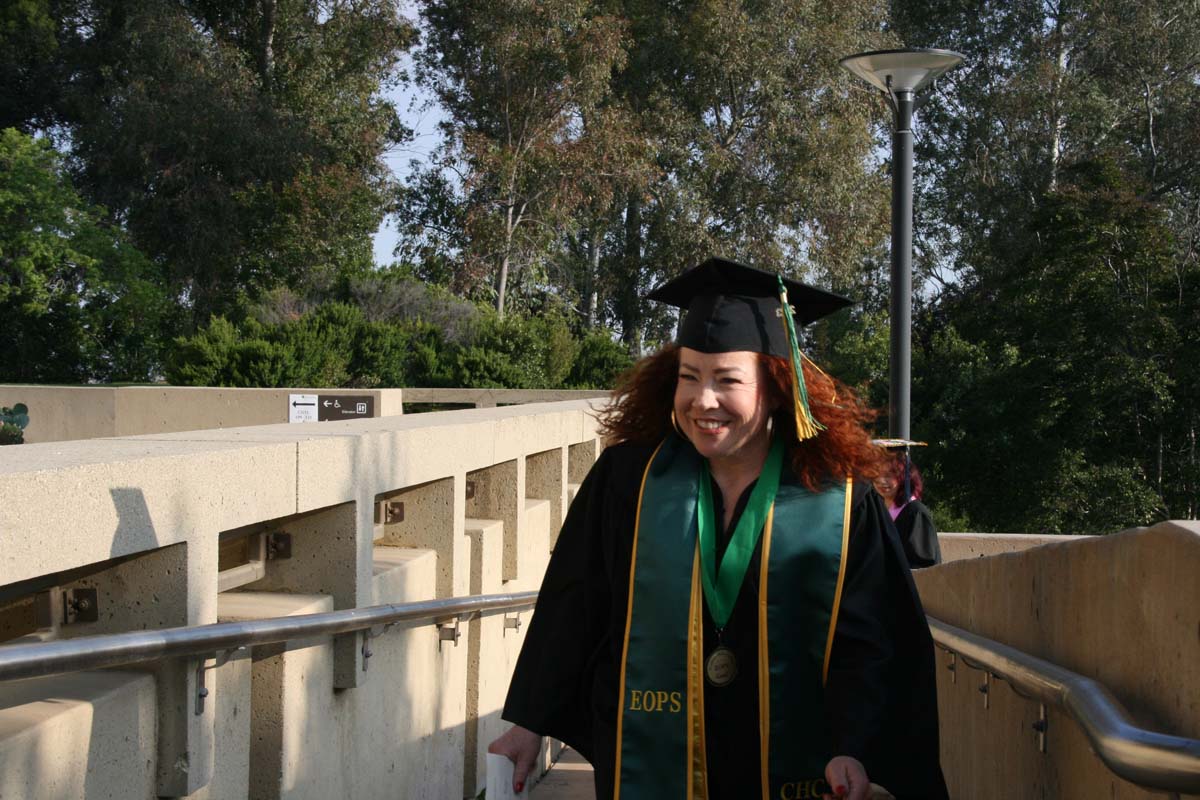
[
  {"x": 721, "y": 404},
  {"x": 886, "y": 486}
]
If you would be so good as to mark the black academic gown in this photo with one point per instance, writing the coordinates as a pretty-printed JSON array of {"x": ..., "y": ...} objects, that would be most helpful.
[
  {"x": 880, "y": 700},
  {"x": 918, "y": 535}
]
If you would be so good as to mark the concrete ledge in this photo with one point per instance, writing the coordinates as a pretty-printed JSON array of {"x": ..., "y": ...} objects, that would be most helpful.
[
  {"x": 533, "y": 553},
  {"x": 1121, "y": 609},
  {"x": 286, "y": 737},
  {"x": 65, "y": 413},
  {"x": 488, "y": 398},
  {"x": 229, "y": 693},
  {"x": 109, "y": 513},
  {"x": 957, "y": 546},
  {"x": 90, "y": 734}
]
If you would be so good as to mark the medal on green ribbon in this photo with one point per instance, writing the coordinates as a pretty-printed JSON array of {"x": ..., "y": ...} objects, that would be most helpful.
[{"x": 722, "y": 584}]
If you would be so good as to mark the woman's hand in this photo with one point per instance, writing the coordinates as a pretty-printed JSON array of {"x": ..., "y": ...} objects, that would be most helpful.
[
  {"x": 847, "y": 779},
  {"x": 522, "y": 747}
]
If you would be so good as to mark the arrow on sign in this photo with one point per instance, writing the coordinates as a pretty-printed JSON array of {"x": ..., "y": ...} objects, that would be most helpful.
[
  {"x": 327, "y": 404},
  {"x": 294, "y": 404}
]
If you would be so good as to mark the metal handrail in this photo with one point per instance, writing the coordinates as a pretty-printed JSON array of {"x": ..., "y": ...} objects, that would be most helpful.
[
  {"x": 1147, "y": 758},
  {"x": 39, "y": 659}
]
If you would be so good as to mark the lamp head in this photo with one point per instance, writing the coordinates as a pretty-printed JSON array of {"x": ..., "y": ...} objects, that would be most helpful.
[{"x": 910, "y": 70}]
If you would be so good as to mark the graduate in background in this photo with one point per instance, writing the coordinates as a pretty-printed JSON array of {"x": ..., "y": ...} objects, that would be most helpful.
[
  {"x": 728, "y": 612},
  {"x": 901, "y": 487}
]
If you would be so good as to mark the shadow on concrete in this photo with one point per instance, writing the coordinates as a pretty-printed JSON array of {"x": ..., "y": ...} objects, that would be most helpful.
[{"x": 135, "y": 530}]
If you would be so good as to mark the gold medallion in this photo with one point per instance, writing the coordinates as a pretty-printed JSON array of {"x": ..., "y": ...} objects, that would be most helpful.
[{"x": 720, "y": 668}]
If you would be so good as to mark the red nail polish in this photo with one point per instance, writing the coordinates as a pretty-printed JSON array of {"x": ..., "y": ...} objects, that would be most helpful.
[
  {"x": 520, "y": 787},
  {"x": 840, "y": 791}
]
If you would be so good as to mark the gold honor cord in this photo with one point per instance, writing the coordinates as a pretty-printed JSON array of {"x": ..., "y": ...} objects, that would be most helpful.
[
  {"x": 697, "y": 748},
  {"x": 628, "y": 622},
  {"x": 661, "y": 752},
  {"x": 764, "y": 660},
  {"x": 841, "y": 579}
]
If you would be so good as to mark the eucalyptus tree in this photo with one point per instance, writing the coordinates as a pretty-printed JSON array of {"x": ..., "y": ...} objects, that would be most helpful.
[
  {"x": 239, "y": 144},
  {"x": 517, "y": 79},
  {"x": 762, "y": 146},
  {"x": 1060, "y": 198}
]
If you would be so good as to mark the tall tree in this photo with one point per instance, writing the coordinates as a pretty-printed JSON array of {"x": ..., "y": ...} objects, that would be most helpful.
[
  {"x": 671, "y": 133},
  {"x": 517, "y": 78},
  {"x": 1057, "y": 191},
  {"x": 761, "y": 146},
  {"x": 79, "y": 303},
  {"x": 239, "y": 144}
]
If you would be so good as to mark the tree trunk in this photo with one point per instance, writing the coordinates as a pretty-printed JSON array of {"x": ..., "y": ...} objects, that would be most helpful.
[
  {"x": 1057, "y": 118},
  {"x": 592, "y": 279},
  {"x": 502, "y": 285},
  {"x": 502, "y": 278},
  {"x": 631, "y": 328},
  {"x": 266, "y": 55}
]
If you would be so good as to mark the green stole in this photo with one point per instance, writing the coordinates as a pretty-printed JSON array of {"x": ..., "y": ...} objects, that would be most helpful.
[{"x": 660, "y": 725}]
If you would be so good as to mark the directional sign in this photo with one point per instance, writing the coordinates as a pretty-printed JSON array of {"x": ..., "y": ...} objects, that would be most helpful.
[
  {"x": 342, "y": 406},
  {"x": 302, "y": 408}
]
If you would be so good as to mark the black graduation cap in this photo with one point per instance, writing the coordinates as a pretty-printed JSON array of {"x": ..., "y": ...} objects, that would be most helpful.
[
  {"x": 729, "y": 306},
  {"x": 895, "y": 446}
]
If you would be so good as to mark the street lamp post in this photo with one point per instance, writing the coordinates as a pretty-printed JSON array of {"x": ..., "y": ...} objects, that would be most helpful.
[{"x": 902, "y": 76}]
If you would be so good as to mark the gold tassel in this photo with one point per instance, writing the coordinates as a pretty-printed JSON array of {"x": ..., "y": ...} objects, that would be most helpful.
[{"x": 807, "y": 426}]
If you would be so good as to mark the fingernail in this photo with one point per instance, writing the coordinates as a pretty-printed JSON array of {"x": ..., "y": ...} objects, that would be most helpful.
[
  {"x": 840, "y": 791},
  {"x": 520, "y": 787}
]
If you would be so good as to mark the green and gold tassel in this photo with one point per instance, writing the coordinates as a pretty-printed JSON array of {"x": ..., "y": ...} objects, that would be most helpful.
[{"x": 806, "y": 425}]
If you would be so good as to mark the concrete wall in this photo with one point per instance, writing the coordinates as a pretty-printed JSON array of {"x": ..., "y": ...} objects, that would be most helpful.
[
  {"x": 957, "y": 546},
  {"x": 69, "y": 413},
  {"x": 378, "y": 511},
  {"x": 1122, "y": 609}
]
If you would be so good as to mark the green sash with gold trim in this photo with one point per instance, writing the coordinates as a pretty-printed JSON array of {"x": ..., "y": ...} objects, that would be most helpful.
[{"x": 660, "y": 725}]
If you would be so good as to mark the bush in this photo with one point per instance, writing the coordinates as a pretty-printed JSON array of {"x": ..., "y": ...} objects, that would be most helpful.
[
  {"x": 330, "y": 346},
  {"x": 517, "y": 353},
  {"x": 600, "y": 361},
  {"x": 337, "y": 345}
]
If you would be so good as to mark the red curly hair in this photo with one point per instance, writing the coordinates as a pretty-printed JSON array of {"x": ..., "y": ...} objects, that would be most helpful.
[{"x": 644, "y": 398}]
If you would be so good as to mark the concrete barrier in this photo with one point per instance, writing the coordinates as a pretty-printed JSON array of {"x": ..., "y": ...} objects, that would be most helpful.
[
  {"x": 1122, "y": 609},
  {"x": 366, "y": 512},
  {"x": 957, "y": 546},
  {"x": 70, "y": 413}
]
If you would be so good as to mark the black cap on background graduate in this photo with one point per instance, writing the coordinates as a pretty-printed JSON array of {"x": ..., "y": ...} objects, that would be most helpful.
[
  {"x": 897, "y": 444},
  {"x": 732, "y": 307},
  {"x": 901, "y": 446}
]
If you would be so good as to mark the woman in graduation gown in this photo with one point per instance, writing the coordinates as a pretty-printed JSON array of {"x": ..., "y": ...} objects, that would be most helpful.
[
  {"x": 727, "y": 613},
  {"x": 901, "y": 487}
]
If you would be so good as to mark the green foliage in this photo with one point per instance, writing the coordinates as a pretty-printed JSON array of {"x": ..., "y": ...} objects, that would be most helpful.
[
  {"x": 601, "y": 359},
  {"x": 516, "y": 352},
  {"x": 79, "y": 302},
  {"x": 332, "y": 345},
  {"x": 1051, "y": 405},
  {"x": 336, "y": 345},
  {"x": 602, "y": 148},
  {"x": 516, "y": 77},
  {"x": 1052, "y": 366},
  {"x": 239, "y": 144}
]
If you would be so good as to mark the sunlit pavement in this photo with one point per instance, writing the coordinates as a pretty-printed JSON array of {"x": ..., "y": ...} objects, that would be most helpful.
[{"x": 569, "y": 779}]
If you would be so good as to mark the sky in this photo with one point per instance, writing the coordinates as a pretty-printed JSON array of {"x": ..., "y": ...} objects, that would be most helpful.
[{"x": 420, "y": 112}]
